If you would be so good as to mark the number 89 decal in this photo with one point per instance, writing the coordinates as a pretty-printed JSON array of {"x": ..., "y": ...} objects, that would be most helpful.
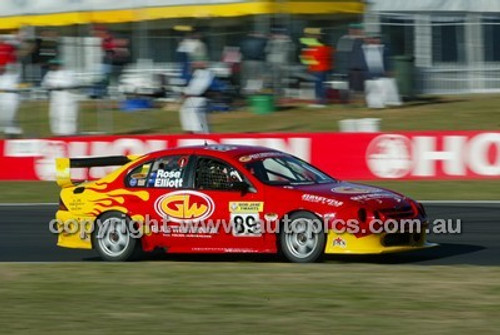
[{"x": 246, "y": 224}]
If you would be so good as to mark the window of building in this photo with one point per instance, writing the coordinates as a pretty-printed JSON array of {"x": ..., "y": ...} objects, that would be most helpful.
[
  {"x": 491, "y": 39},
  {"x": 448, "y": 40},
  {"x": 399, "y": 33}
]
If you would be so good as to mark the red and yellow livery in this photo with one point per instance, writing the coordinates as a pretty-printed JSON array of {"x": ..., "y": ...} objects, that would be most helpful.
[{"x": 227, "y": 199}]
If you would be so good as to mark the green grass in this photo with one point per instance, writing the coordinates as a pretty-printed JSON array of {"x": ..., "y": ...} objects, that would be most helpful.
[
  {"x": 258, "y": 298},
  {"x": 479, "y": 112},
  {"x": 26, "y": 192}
]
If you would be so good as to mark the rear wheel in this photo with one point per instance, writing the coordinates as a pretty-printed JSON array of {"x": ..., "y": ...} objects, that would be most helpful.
[
  {"x": 112, "y": 238},
  {"x": 302, "y": 239}
]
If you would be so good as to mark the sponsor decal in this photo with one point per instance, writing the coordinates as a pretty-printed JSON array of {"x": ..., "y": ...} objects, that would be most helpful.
[
  {"x": 245, "y": 159},
  {"x": 184, "y": 231},
  {"x": 246, "y": 207},
  {"x": 261, "y": 155},
  {"x": 143, "y": 174},
  {"x": 376, "y": 196},
  {"x": 245, "y": 218},
  {"x": 133, "y": 182},
  {"x": 182, "y": 162},
  {"x": 139, "y": 175},
  {"x": 340, "y": 242},
  {"x": 170, "y": 179},
  {"x": 271, "y": 216},
  {"x": 181, "y": 206},
  {"x": 75, "y": 204},
  {"x": 221, "y": 147},
  {"x": 321, "y": 200},
  {"x": 355, "y": 190}
]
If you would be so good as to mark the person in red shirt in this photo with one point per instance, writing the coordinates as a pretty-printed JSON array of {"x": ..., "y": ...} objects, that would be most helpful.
[
  {"x": 7, "y": 53},
  {"x": 319, "y": 58}
]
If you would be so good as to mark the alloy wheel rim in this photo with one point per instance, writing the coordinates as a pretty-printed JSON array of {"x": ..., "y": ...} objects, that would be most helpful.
[
  {"x": 302, "y": 240},
  {"x": 115, "y": 239}
]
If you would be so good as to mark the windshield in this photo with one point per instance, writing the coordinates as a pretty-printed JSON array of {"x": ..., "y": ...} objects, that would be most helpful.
[{"x": 286, "y": 170}]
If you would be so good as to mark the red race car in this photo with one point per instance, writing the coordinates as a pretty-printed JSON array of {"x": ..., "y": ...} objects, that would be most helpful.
[{"x": 229, "y": 199}]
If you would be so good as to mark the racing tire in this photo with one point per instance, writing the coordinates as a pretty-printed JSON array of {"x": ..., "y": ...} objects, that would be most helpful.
[
  {"x": 302, "y": 239},
  {"x": 112, "y": 239}
]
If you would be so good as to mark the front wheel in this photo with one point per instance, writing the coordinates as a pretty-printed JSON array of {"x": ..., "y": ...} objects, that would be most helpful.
[
  {"x": 112, "y": 239},
  {"x": 302, "y": 239}
]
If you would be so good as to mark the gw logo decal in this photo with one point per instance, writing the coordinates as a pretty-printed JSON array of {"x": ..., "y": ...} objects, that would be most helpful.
[{"x": 183, "y": 206}]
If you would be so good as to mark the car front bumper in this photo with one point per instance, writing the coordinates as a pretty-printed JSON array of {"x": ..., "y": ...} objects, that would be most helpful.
[{"x": 346, "y": 243}]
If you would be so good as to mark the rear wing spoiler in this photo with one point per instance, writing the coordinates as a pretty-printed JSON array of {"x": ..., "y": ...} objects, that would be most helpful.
[{"x": 64, "y": 166}]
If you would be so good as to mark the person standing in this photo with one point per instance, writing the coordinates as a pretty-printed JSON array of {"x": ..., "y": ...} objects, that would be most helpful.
[
  {"x": 319, "y": 59},
  {"x": 191, "y": 49},
  {"x": 380, "y": 89},
  {"x": 7, "y": 53},
  {"x": 350, "y": 58},
  {"x": 63, "y": 107},
  {"x": 253, "y": 51},
  {"x": 46, "y": 50},
  {"x": 193, "y": 112},
  {"x": 231, "y": 56},
  {"x": 279, "y": 50},
  {"x": 9, "y": 101}
]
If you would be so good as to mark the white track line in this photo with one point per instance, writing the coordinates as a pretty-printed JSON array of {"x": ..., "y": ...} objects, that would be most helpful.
[
  {"x": 488, "y": 202},
  {"x": 27, "y": 204}
]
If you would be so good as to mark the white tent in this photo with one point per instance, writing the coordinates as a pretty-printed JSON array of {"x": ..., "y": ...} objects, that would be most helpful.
[{"x": 472, "y": 6}]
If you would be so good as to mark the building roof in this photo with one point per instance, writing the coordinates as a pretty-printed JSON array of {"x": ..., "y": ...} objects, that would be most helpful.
[
  {"x": 17, "y": 13},
  {"x": 477, "y": 6}
]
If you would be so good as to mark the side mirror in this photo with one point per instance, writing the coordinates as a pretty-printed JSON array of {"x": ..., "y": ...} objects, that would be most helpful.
[{"x": 241, "y": 186}]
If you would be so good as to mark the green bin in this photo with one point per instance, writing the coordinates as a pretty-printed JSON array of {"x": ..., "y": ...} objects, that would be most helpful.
[
  {"x": 262, "y": 103},
  {"x": 404, "y": 69}
]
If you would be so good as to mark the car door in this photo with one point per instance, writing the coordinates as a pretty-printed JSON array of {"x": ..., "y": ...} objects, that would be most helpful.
[
  {"x": 237, "y": 212},
  {"x": 165, "y": 180}
]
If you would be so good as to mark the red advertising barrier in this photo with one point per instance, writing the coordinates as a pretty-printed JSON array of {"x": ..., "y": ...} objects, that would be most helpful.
[{"x": 360, "y": 156}]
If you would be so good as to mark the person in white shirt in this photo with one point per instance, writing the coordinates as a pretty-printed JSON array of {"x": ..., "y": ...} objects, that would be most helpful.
[
  {"x": 380, "y": 89},
  {"x": 9, "y": 101},
  {"x": 63, "y": 108},
  {"x": 193, "y": 113}
]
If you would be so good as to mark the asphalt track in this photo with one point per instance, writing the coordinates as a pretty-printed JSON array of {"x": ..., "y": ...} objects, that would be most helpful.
[{"x": 25, "y": 237}]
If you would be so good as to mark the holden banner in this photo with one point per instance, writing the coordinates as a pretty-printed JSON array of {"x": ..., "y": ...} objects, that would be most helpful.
[{"x": 429, "y": 155}]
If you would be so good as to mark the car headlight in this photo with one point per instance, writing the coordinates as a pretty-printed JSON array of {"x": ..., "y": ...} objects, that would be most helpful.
[{"x": 421, "y": 209}]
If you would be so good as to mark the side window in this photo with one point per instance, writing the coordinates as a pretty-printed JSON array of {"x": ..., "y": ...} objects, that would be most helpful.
[
  {"x": 168, "y": 172},
  {"x": 165, "y": 172},
  {"x": 212, "y": 174}
]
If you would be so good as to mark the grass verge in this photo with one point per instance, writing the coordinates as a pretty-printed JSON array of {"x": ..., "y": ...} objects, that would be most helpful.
[
  {"x": 478, "y": 112},
  {"x": 257, "y": 298}
]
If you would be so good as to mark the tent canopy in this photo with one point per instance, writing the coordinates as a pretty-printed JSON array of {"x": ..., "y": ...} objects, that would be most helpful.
[
  {"x": 18, "y": 13},
  {"x": 478, "y": 6}
]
